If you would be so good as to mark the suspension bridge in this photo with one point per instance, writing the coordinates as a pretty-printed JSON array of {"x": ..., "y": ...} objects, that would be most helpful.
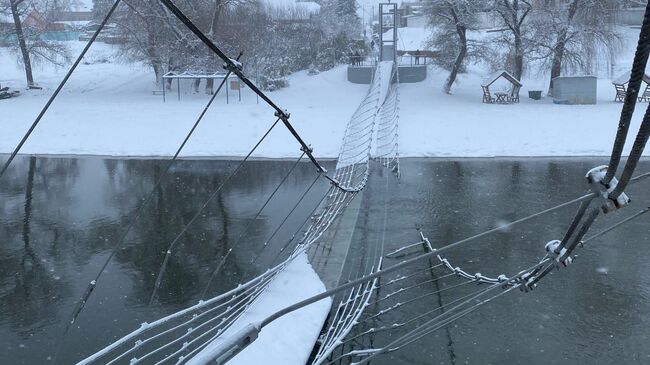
[{"x": 220, "y": 328}]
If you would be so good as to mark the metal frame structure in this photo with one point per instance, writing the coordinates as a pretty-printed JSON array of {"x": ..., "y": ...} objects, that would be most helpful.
[
  {"x": 193, "y": 75},
  {"x": 387, "y": 21}
]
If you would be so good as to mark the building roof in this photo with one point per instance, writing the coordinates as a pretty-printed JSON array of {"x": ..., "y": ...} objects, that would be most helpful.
[
  {"x": 293, "y": 10},
  {"x": 81, "y": 6},
  {"x": 625, "y": 78},
  {"x": 6, "y": 19},
  {"x": 502, "y": 73}
]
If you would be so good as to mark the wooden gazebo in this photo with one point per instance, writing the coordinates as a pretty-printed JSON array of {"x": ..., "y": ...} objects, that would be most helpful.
[
  {"x": 620, "y": 86},
  {"x": 505, "y": 98}
]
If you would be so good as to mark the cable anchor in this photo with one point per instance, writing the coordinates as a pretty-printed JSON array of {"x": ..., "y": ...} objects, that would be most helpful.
[
  {"x": 553, "y": 252},
  {"x": 283, "y": 114},
  {"x": 595, "y": 179},
  {"x": 307, "y": 149},
  {"x": 233, "y": 66}
]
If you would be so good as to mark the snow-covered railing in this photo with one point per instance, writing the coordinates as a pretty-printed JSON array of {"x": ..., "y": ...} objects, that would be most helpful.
[
  {"x": 352, "y": 306},
  {"x": 347, "y": 315},
  {"x": 352, "y": 167},
  {"x": 387, "y": 149},
  {"x": 183, "y": 331}
]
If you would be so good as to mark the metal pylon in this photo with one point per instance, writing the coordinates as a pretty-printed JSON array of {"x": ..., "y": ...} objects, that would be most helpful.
[{"x": 387, "y": 23}]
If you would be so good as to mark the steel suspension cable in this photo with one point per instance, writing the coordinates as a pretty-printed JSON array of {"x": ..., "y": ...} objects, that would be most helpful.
[
  {"x": 425, "y": 331},
  {"x": 301, "y": 226},
  {"x": 611, "y": 228},
  {"x": 59, "y": 88},
  {"x": 634, "y": 86},
  {"x": 382, "y": 312},
  {"x": 140, "y": 210},
  {"x": 230, "y": 65},
  {"x": 248, "y": 225},
  {"x": 286, "y": 217},
  {"x": 420, "y": 328},
  {"x": 635, "y": 155},
  {"x": 205, "y": 205}
]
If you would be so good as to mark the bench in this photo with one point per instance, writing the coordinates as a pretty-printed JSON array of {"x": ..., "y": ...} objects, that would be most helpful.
[
  {"x": 487, "y": 98},
  {"x": 620, "y": 92},
  {"x": 645, "y": 95}
]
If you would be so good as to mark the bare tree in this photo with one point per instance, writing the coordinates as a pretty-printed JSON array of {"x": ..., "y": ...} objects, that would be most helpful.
[
  {"x": 451, "y": 19},
  {"x": 29, "y": 40},
  {"x": 568, "y": 36},
  {"x": 22, "y": 44},
  {"x": 513, "y": 15}
]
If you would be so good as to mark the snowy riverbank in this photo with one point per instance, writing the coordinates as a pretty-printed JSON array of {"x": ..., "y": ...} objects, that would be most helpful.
[{"x": 108, "y": 108}]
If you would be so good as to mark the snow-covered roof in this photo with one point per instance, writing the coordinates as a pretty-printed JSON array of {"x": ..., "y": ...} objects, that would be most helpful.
[
  {"x": 6, "y": 19},
  {"x": 81, "y": 5},
  {"x": 625, "y": 78},
  {"x": 75, "y": 23},
  {"x": 502, "y": 73},
  {"x": 196, "y": 74},
  {"x": 309, "y": 6}
]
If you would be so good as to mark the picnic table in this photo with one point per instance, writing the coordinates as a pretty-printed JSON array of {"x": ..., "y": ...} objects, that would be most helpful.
[{"x": 502, "y": 98}]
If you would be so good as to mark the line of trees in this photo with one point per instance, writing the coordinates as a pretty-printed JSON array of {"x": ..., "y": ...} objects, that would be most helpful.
[
  {"x": 557, "y": 36},
  {"x": 275, "y": 41}
]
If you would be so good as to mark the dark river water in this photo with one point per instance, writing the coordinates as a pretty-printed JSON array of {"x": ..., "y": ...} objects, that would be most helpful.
[{"x": 60, "y": 218}]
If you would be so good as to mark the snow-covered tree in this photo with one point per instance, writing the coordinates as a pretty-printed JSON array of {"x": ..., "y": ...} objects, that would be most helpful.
[
  {"x": 514, "y": 15},
  {"x": 275, "y": 41},
  {"x": 451, "y": 20},
  {"x": 101, "y": 7},
  {"x": 340, "y": 17},
  {"x": 569, "y": 37},
  {"x": 29, "y": 42}
]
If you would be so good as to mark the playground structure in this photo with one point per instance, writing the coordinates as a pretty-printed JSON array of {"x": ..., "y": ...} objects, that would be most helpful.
[{"x": 234, "y": 83}]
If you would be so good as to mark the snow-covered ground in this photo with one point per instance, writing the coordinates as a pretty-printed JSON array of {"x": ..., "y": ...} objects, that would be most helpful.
[
  {"x": 433, "y": 123},
  {"x": 108, "y": 108}
]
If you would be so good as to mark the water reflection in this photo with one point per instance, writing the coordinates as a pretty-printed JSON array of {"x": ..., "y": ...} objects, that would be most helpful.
[{"x": 61, "y": 218}]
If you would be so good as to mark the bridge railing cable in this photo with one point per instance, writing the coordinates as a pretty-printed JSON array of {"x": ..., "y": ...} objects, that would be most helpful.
[{"x": 138, "y": 213}]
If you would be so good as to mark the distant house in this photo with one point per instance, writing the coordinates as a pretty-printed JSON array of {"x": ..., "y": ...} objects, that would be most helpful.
[
  {"x": 59, "y": 25},
  {"x": 74, "y": 15},
  {"x": 6, "y": 24},
  {"x": 36, "y": 20}
]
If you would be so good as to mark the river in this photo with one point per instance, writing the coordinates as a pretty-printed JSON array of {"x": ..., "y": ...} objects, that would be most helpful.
[{"x": 61, "y": 218}]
